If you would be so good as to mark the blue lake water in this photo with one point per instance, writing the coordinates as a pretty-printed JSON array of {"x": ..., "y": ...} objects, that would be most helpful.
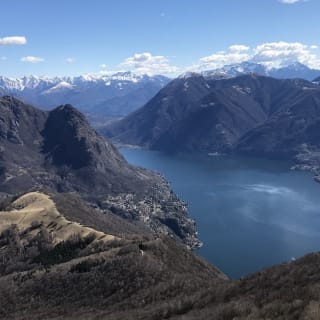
[{"x": 250, "y": 213}]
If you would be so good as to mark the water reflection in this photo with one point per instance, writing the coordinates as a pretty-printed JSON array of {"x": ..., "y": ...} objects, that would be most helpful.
[{"x": 250, "y": 213}]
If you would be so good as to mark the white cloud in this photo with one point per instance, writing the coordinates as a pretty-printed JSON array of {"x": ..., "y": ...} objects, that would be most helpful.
[
  {"x": 3, "y": 58},
  {"x": 16, "y": 40},
  {"x": 275, "y": 54},
  {"x": 235, "y": 54},
  {"x": 271, "y": 54},
  {"x": 32, "y": 59},
  {"x": 314, "y": 47},
  {"x": 103, "y": 66},
  {"x": 146, "y": 63},
  {"x": 291, "y": 1},
  {"x": 70, "y": 60},
  {"x": 238, "y": 48}
]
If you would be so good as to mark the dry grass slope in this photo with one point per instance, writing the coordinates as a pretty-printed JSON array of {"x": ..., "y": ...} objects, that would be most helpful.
[
  {"x": 34, "y": 210},
  {"x": 52, "y": 267},
  {"x": 55, "y": 268}
]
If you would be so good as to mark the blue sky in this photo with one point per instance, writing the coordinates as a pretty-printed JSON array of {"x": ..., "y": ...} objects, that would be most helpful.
[{"x": 69, "y": 37}]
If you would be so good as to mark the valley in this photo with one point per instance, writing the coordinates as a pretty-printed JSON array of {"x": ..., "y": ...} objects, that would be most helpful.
[
  {"x": 186, "y": 227},
  {"x": 160, "y": 160}
]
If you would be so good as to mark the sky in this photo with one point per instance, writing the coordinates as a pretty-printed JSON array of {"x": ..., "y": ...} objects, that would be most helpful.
[{"x": 73, "y": 37}]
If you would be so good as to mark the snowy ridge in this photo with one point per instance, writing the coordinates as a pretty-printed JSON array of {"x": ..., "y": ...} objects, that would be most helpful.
[
  {"x": 96, "y": 94},
  {"x": 13, "y": 85},
  {"x": 294, "y": 70},
  {"x": 63, "y": 85},
  {"x": 189, "y": 74}
]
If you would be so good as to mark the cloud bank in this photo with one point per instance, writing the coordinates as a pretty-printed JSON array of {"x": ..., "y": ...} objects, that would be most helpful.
[
  {"x": 235, "y": 54},
  {"x": 270, "y": 54},
  {"x": 146, "y": 63}
]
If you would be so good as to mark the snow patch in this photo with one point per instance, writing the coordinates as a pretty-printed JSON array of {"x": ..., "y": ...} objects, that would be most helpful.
[{"x": 61, "y": 86}]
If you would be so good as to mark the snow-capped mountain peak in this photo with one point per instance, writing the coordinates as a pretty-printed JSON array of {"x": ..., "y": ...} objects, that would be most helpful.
[
  {"x": 190, "y": 74},
  {"x": 291, "y": 70},
  {"x": 87, "y": 92},
  {"x": 63, "y": 85},
  {"x": 11, "y": 85}
]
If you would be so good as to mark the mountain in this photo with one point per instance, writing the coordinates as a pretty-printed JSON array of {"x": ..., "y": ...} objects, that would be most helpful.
[
  {"x": 316, "y": 79},
  {"x": 248, "y": 114},
  {"x": 91, "y": 237},
  {"x": 237, "y": 69},
  {"x": 295, "y": 70},
  {"x": 200, "y": 114},
  {"x": 117, "y": 95},
  {"x": 102, "y": 97},
  {"x": 292, "y": 133},
  {"x": 106, "y": 95},
  {"x": 61, "y": 265},
  {"x": 59, "y": 151},
  {"x": 291, "y": 71},
  {"x": 61, "y": 259}
]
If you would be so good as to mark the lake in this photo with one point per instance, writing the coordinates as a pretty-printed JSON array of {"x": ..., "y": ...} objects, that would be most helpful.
[{"x": 250, "y": 213}]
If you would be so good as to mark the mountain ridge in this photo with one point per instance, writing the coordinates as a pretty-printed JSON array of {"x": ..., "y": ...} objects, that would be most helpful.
[
  {"x": 102, "y": 96},
  {"x": 256, "y": 97},
  {"x": 93, "y": 94},
  {"x": 202, "y": 114},
  {"x": 290, "y": 71}
]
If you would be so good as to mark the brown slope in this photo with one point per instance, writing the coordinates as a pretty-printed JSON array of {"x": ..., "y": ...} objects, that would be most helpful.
[
  {"x": 52, "y": 267},
  {"x": 94, "y": 277}
]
